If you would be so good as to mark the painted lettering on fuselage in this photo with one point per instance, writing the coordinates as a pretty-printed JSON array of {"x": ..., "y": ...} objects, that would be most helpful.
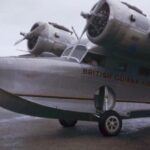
[
  {"x": 96, "y": 73},
  {"x": 117, "y": 77}
]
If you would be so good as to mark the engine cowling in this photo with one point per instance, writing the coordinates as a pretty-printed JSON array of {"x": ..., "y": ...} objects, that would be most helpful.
[
  {"x": 119, "y": 26},
  {"x": 48, "y": 39}
]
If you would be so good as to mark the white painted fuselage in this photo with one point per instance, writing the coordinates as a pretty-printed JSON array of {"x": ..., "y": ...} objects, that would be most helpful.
[{"x": 44, "y": 77}]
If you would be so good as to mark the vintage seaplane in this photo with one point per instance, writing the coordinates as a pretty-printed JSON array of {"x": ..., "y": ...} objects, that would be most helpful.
[{"x": 82, "y": 83}]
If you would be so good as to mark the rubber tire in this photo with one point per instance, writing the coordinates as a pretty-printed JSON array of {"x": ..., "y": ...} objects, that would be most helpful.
[
  {"x": 103, "y": 121},
  {"x": 67, "y": 123}
]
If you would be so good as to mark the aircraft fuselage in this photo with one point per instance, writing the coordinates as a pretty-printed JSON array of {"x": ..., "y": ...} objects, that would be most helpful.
[{"x": 62, "y": 79}]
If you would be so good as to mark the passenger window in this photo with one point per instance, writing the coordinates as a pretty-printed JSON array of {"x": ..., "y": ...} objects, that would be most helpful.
[
  {"x": 121, "y": 67},
  {"x": 95, "y": 60},
  {"x": 116, "y": 65},
  {"x": 143, "y": 71}
]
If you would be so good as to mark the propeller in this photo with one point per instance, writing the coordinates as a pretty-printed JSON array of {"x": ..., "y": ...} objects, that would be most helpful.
[
  {"x": 20, "y": 40},
  {"x": 89, "y": 16},
  {"x": 31, "y": 34}
]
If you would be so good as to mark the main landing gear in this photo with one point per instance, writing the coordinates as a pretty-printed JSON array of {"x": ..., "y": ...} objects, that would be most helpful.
[{"x": 110, "y": 123}]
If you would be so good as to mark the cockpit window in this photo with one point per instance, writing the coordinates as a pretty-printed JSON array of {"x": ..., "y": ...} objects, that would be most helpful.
[
  {"x": 116, "y": 64},
  {"x": 76, "y": 52},
  {"x": 67, "y": 51}
]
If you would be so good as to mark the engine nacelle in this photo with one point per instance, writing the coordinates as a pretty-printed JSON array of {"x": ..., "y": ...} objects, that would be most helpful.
[
  {"x": 50, "y": 38},
  {"x": 119, "y": 26}
]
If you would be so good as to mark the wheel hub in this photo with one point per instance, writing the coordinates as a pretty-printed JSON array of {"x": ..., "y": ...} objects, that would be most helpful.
[{"x": 112, "y": 124}]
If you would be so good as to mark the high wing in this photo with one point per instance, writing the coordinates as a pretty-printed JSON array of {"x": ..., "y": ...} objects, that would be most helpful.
[
  {"x": 108, "y": 33},
  {"x": 122, "y": 32}
]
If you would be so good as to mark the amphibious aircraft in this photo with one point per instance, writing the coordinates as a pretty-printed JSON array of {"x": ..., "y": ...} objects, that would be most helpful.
[{"x": 79, "y": 85}]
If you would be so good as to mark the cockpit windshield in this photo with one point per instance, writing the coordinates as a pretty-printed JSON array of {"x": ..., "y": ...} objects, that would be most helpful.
[{"x": 76, "y": 52}]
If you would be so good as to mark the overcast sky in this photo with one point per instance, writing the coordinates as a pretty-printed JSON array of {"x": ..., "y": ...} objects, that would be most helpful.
[{"x": 20, "y": 15}]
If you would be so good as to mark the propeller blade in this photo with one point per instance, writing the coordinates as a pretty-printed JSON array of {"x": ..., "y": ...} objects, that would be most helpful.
[
  {"x": 19, "y": 41},
  {"x": 22, "y": 50},
  {"x": 31, "y": 34},
  {"x": 23, "y": 34},
  {"x": 89, "y": 16}
]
